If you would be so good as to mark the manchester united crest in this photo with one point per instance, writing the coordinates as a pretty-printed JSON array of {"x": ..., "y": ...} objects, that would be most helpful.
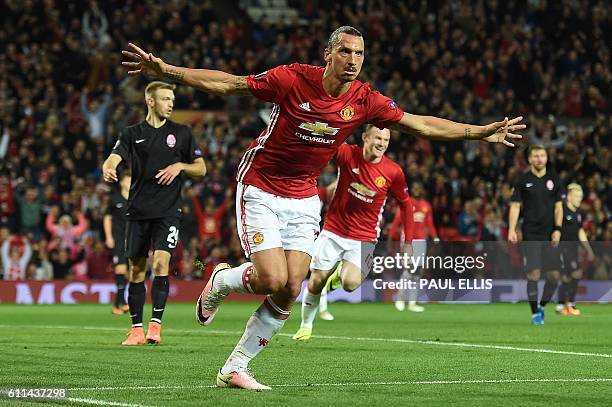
[
  {"x": 258, "y": 238},
  {"x": 380, "y": 182},
  {"x": 347, "y": 113}
]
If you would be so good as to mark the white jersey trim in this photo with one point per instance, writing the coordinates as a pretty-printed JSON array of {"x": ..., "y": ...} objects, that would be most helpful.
[{"x": 249, "y": 156}]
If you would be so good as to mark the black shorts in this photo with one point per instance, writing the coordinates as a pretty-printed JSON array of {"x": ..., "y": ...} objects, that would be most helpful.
[
  {"x": 540, "y": 255},
  {"x": 569, "y": 257},
  {"x": 156, "y": 234}
]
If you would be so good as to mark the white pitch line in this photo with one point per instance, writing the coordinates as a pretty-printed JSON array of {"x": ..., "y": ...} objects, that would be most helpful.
[
  {"x": 342, "y": 338},
  {"x": 419, "y": 382},
  {"x": 394, "y": 383},
  {"x": 101, "y": 402},
  {"x": 460, "y": 344}
]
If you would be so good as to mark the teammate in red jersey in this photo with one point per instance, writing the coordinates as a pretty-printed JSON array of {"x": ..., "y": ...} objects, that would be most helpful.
[
  {"x": 423, "y": 226},
  {"x": 351, "y": 226},
  {"x": 314, "y": 110}
]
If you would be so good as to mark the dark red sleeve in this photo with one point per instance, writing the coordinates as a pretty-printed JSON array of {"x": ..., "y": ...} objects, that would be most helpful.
[
  {"x": 399, "y": 191},
  {"x": 343, "y": 154},
  {"x": 382, "y": 111},
  {"x": 397, "y": 221},
  {"x": 272, "y": 85}
]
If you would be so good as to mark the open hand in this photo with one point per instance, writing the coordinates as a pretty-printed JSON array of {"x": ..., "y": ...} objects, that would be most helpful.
[
  {"x": 503, "y": 132},
  {"x": 142, "y": 63}
]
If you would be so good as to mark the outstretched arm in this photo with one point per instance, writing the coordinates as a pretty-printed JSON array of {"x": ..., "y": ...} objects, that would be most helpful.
[
  {"x": 210, "y": 81},
  {"x": 435, "y": 128}
]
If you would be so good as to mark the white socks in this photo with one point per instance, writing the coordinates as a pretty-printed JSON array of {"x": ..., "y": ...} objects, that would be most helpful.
[
  {"x": 310, "y": 304},
  {"x": 265, "y": 322},
  {"x": 323, "y": 300},
  {"x": 235, "y": 279}
]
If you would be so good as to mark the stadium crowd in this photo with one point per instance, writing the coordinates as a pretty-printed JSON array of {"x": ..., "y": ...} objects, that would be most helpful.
[{"x": 64, "y": 97}]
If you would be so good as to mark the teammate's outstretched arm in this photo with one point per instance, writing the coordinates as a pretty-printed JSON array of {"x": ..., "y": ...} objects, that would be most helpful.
[
  {"x": 210, "y": 81},
  {"x": 435, "y": 128}
]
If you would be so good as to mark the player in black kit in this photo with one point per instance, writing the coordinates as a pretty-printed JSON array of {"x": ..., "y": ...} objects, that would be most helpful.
[
  {"x": 159, "y": 150},
  {"x": 114, "y": 230},
  {"x": 540, "y": 194},
  {"x": 572, "y": 233}
]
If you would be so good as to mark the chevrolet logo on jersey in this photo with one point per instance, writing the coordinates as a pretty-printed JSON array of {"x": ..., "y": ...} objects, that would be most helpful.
[
  {"x": 319, "y": 129},
  {"x": 362, "y": 189}
]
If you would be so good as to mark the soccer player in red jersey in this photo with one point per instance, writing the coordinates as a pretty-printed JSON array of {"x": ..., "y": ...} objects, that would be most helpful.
[
  {"x": 351, "y": 229},
  {"x": 423, "y": 225},
  {"x": 314, "y": 110}
]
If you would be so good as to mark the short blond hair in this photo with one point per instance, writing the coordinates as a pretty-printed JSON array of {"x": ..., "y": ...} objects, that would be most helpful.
[
  {"x": 369, "y": 127},
  {"x": 155, "y": 86},
  {"x": 574, "y": 187}
]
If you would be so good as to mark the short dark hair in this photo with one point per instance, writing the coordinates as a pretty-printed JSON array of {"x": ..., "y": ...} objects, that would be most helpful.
[
  {"x": 334, "y": 38},
  {"x": 535, "y": 147}
]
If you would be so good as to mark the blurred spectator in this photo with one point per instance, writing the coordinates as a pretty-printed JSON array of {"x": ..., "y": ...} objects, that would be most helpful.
[
  {"x": 63, "y": 264},
  {"x": 30, "y": 210},
  {"x": 7, "y": 203},
  {"x": 15, "y": 258},
  {"x": 468, "y": 220},
  {"x": 209, "y": 218},
  {"x": 95, "y": 112},
  {"x": 40, "y": 268},
  {"x": 63, "y": 234},
  {"x": 99, "y": 262}
]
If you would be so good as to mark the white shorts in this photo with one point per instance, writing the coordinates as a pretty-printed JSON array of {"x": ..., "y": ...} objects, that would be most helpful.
[
  {"x": 266, "y": 221},
  {"x": 331, "y": 248}
]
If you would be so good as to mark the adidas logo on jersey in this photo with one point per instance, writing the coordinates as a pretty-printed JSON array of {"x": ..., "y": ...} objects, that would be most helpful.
[{"x": 305, "y": 106}]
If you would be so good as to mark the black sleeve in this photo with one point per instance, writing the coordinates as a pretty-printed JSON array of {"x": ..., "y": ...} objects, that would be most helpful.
[
  {"x": 123, "y": 146},
  {"x": 194, "y": 150},
  {"x": 516, "y": 190}
]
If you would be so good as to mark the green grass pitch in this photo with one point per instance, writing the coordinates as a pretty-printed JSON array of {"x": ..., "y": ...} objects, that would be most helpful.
[{"x": 370, "y": 355}]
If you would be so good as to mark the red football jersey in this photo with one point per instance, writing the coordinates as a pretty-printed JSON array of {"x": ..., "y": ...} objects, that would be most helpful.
[
  {"x": 306, "y": 127},
  {"x": 358, "y": 203},
  {"x": 423, "y": 218}
]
